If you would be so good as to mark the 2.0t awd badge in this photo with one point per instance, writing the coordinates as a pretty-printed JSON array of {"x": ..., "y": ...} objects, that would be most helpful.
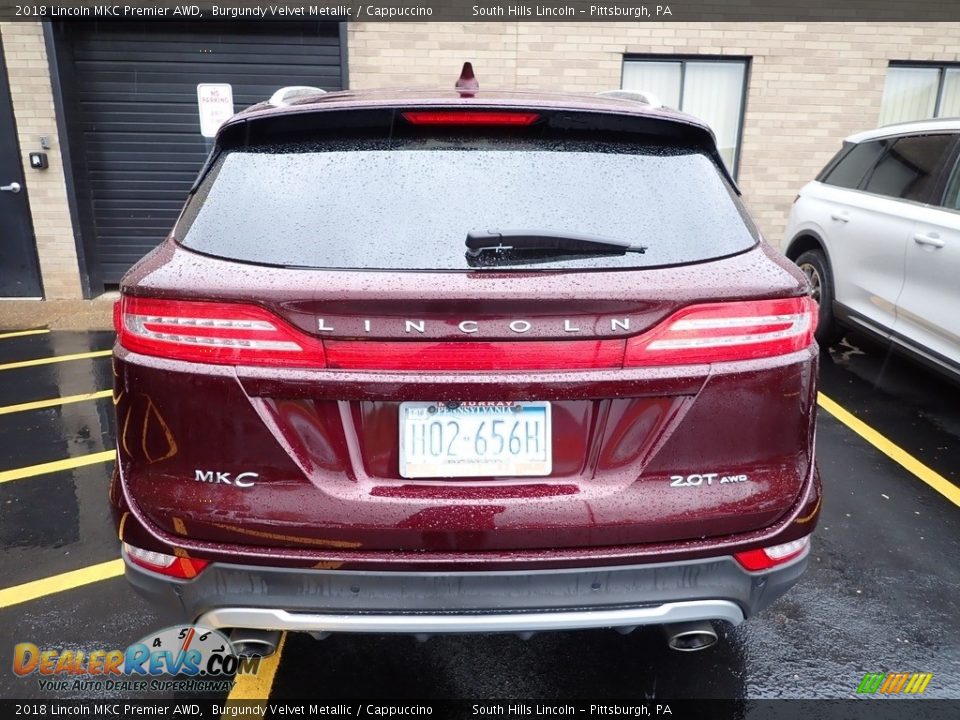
[{"x": 701, "y": 479}]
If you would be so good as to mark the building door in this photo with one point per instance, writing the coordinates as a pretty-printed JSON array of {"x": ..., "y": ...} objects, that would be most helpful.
[
  {"x": 130, "y": 95},
  {"x": 19, "y": 273}
]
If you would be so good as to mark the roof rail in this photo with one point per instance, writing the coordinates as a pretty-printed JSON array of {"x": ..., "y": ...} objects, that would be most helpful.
[
  {"x": 647, "y": 98},
  {"x": 286, "y": 95}
]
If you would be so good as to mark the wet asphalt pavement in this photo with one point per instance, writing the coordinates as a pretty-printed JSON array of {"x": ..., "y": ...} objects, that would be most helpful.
[{"x": 882, "y": 592}]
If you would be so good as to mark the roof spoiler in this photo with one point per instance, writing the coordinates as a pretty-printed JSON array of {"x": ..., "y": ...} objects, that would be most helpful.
[
  {"x": 286, "y": 95},
  {"x": 647, "y": 98}
]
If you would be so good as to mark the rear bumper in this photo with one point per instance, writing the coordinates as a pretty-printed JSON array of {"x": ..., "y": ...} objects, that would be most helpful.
[{"x": 226, "y": 595}]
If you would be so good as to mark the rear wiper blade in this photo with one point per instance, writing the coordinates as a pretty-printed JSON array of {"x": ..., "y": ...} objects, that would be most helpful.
[{"x": 501, "y": 241}]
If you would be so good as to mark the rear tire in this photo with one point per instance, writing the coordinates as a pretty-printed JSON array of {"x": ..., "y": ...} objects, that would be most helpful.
[{"x": 813, "y": 264}]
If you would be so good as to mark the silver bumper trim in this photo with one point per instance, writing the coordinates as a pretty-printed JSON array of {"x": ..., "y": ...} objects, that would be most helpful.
[{"x": 275, "y": 619}]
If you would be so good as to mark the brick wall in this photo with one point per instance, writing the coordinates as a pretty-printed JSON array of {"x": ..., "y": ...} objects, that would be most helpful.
[
  {"x": 809, "y": 86},
  {"x": 32, "y": 96}
]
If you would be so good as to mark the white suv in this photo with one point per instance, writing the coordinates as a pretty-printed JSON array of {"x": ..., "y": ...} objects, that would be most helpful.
[{"x": 878, "y": 235}]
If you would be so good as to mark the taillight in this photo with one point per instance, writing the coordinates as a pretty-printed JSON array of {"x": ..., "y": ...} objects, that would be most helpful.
[
  {"x": 228, "y": 333},
  {"x": 465, "y": 355},
  {"x": 718, "y": 332},
  {"x": 212, "y": 332},
  {"x": 766, "y": 558},
  {"x": 169, "y": 565},
  {"x": 469, "y": 117}
]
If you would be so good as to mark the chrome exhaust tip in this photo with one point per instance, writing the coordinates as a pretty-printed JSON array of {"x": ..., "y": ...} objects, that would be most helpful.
[
  {"x": 254, "y": 643},
  {"x": 690, "y": 637}
]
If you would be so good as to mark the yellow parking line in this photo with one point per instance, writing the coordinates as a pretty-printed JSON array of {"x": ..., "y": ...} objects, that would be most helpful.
[
  {"x": 57, "y": 466},
  {"x": 54, "y": 359},
  {"x": 22, "y": 333},
  {"x": 893, "y": 451},
  {"x": 257, "y": 687},
  {"x": 58, "y": 583},
  {"x": 52, "y": 402}
]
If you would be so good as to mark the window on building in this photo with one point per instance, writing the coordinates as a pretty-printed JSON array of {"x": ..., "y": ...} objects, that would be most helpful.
[
  {"x": 917, "y": 92},
  {"x": 711, "y": 89}
]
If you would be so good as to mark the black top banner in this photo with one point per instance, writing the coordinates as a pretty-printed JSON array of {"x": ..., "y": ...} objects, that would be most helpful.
[{"x": 637, "y": 11}]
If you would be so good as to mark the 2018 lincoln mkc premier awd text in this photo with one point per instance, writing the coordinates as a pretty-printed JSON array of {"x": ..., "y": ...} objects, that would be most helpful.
[{"x": 429, "y": 362}]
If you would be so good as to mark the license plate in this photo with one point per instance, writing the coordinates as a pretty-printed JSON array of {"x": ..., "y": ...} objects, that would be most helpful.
[{"x": 474, "y": 440}]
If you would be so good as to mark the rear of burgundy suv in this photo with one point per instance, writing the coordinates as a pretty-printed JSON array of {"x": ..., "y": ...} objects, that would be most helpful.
[{"x": 419, "y": 364}]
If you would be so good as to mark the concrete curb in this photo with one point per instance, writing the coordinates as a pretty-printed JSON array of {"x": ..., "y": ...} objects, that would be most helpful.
[{"x": 58, "y": 314}]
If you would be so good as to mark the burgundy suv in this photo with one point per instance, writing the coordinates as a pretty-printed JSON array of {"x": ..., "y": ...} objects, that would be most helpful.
[{"x": 430, "y": 362}]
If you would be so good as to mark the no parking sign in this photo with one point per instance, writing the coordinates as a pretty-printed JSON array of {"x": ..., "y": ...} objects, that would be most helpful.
[{"x": 215, "y": 101}]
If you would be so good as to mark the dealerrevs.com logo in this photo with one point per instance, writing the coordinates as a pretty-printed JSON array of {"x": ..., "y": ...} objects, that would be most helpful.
[{"x": 203, "y": 659}]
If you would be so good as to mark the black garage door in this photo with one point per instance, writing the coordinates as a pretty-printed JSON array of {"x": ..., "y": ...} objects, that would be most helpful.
[{"x": 130, "y": 100}]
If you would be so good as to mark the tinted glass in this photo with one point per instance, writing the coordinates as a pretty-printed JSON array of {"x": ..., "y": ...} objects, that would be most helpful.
[
  {"x": 850, "y": 169},
  {"x": 910, "y": 168},
  {"x": 951, "y": 198},
  {"x": 409, "y": 204}
]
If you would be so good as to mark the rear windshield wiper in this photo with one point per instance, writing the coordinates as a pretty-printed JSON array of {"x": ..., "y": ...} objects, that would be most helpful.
[{"x": 542, "y": 242}]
